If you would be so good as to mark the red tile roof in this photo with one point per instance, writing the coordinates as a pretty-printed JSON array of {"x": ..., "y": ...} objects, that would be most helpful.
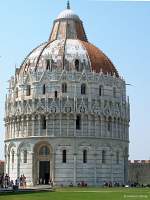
[{"x": 99, "y": 61}]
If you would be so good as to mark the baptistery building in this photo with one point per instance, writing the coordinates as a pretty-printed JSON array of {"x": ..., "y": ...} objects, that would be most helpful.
[{"x": 66, "y": 112}]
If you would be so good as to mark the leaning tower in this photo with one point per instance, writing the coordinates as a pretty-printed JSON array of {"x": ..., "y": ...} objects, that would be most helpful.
[{"x": 66, "y": 112}]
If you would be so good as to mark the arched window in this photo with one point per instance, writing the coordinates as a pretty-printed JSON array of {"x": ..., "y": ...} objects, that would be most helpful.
[
  {"x": 84, "y": 156},
  {"x": 47, "y": 64},
  {"x": 101, "y": 90},
  {"x": 109, "y": 124},
  {"x": 16, "y": 92},
  {"x": 44, "y": 124},
  {"x": 44, "y": 89},
  {"x": 13, "y": 156},
  {"x": 28, "y": 92},
  {"x": 44, "y": 151},
  {"x": 78, "y": 122},
  {"x": 56, "y": 94},
  {"x": 117, "y": 157},
  {"x": 77, "y": 64},
  {"x": 64, "y": 87},
  {"x": 103, "y": 157},
  {"x": 64, "y": 156},
  {"x": 114, "y": 92},
  {"x": 25, "y": 156},
  {"x": 83, "y": 89}
]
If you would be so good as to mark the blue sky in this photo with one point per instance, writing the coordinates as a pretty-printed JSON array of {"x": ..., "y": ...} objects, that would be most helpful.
[{"x": 120, "y": 28}]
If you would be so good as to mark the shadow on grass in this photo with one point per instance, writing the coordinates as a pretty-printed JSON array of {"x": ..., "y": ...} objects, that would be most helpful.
[{"x": 21, "y": 193}]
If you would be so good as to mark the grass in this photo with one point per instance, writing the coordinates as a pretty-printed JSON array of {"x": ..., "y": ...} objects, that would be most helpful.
[{"x": 84, "y": 194}]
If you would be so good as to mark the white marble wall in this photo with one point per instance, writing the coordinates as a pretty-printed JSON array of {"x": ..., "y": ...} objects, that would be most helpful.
[
  {"x": 23, "y": 119},
  {"x": 94, "y": 172}
]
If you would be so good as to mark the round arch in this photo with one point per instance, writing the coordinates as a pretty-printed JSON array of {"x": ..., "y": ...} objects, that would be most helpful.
[{"x": 42, "y": 163}]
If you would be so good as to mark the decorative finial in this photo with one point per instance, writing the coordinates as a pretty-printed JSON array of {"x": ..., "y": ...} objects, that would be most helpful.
[{"x": 68, "y": 5}]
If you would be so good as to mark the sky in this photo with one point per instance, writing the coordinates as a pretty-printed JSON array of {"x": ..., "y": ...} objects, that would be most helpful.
[{"x": 121, "y": 29}]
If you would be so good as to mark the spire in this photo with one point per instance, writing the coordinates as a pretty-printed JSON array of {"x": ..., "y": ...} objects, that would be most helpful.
[{"x": 68, "y": 5}]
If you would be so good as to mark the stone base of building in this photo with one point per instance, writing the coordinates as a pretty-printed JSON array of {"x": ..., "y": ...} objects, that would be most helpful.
[{"x": 63, "y": 162}]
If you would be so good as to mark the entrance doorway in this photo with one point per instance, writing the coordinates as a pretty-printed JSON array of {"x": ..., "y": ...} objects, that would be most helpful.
[{"x": 44, "y": 172}]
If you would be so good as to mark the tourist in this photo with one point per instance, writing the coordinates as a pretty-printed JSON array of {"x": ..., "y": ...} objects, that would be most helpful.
[
  {"x": 71, "y": 184},
  {"x": 21, "y": 181},
  {"x": 6, "y": 181},
  {"x": 24, "y": 181}
]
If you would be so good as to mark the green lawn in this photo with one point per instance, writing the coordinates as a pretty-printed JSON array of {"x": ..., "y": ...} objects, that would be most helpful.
[{"x": 84, "y": 194}]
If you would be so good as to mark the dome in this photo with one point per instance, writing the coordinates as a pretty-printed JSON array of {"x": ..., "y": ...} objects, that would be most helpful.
[
  {"x": 67, "y": 46},
  {"x": 68, "y": 14},
  {"x": 89, "y": 57}
]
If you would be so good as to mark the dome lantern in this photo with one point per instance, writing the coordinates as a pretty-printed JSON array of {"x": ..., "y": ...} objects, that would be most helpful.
[{"x": 68, "y": 25}]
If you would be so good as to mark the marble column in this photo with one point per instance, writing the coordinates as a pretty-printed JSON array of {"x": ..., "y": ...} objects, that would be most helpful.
[
  {"x": 52, "y": 172},
  {"x": 95, "y": 168},
  {"x": 39, "y": 125},
  {"x": 11, "y": 128},
  {"x": 100, "y": 121},
  {"x": 67, "y": 124},
  {"x": 125, "y": 168},
  {"x": 14, "y": 129},
  {"x": 89, "y": 125},
  {"x": 53, "y": 124},
  {"x": 33, "y": 125},
  {"x": 47, "y": 118},
  {"x": 8, "y": 163},
  {"x": 34, "y": 170},
  {"x": 111, "y": 157},
  {"x": 74, "y": 168},
  {"x": 60, "y": 123},
  {"x": 102, "y": 127},
  {"x": 30, "y": 180},
  {"x": 22, "y": 126},
  {"x": 18, "y": 164},
  {"x": 18, "y": 126},
  {"x": 75, "y": 124},
  {"x": 27, "y": 120},
  {"x": 82, "y": 124}
]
